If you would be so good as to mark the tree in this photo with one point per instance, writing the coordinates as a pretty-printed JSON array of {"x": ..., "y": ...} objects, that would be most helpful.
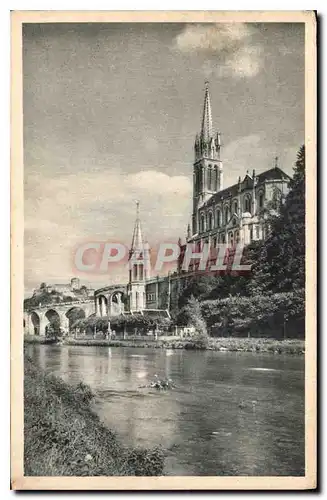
[
  {"x": 199, "y": 287},
  {"x": 281, "y": 260}
]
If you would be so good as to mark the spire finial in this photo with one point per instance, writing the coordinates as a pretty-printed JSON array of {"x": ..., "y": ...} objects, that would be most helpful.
[
  {"x": 276, "y": 161},
  {"x": 137, "y": 209}
]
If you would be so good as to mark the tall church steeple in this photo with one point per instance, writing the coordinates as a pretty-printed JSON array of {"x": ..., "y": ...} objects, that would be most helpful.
[
  {"x": 206, "y": 129},
  {"x": 207, "y": 167},
  {"x": 139, "y": 266}
]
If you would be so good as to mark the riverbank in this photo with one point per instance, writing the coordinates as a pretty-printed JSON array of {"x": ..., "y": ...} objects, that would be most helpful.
[
  {"x": 64, "y": 437},
  {"x": 231, "y": 344}
]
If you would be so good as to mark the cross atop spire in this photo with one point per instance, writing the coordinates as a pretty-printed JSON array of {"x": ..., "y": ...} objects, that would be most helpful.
[
  {"x": 276, "y": 161},
  {"x": 206, "y": 128}
]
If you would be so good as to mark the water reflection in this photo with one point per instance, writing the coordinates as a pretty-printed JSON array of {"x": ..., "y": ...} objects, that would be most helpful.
[{"x": 230, "y": 413}]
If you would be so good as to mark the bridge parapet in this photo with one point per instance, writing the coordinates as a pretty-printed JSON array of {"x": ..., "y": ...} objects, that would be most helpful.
[{"x": 56, "y": 305}]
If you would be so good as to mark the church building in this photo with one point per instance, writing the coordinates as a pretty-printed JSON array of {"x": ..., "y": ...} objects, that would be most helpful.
[
  {"x": 235, "y": 214},
  {"x": 221, "y": 215}
]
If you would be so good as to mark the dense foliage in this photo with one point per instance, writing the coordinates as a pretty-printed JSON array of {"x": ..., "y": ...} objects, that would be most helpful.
[
  {"x": 280, "y": 263},
  {"x": 122, "y": 322}
]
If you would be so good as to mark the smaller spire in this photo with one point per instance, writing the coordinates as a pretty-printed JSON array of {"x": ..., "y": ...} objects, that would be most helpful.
[
  {"x": 218, "y": 140},
  {"x": 137, "y": 240}
]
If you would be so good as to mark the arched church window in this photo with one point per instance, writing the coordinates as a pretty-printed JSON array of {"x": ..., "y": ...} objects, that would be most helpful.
[
  {"x": 247, "y": 204},
  {"x": 135, "y": 271},
  {"x": 216, "y": 178},
  {"x": 210, "y": 220},
  {"x": 209, "y": 180},
  {"x": 218, "y": 218},
  {"x": 202, "y": 226},
  {"x": 199, "y": 174},
  {"x": 226, "y": 215},
  {"x": 276, "y": 198},
  {"x": 235, "y": 207},
  {"x": 237, "y": 237},
  {"x": 261, "y": 200},
  {"x": 141, "y": 272}
]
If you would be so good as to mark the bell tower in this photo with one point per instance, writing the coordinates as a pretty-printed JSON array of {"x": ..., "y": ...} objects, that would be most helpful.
[
  {"x": 207, "y": 167},
  {"x": 139, "y": 267}
]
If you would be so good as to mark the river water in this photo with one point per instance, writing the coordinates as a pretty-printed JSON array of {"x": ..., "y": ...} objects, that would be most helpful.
[{"x": 229, "y": 413}]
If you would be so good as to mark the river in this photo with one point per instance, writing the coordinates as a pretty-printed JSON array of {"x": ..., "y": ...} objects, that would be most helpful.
[{"x": 229, "y": 413}]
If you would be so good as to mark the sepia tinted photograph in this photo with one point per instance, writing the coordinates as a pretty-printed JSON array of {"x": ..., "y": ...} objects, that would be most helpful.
[{"x": 164, "y": 179}]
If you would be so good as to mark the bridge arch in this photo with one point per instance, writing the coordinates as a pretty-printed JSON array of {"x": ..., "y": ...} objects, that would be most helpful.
[
  {"x": 36, "y": 323},
  {"x": 117, "y": 302},
  {"x": 74, "y": 314},
  {"x": 54, "y": 321},
  {"x": 102, "y": 305}
]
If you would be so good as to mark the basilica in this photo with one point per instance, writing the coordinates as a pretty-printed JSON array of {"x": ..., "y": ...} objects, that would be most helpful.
[{"x": 221, "y": 215}]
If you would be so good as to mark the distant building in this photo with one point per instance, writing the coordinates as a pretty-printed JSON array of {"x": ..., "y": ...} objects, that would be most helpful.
[{"x": 72, "y": 289}]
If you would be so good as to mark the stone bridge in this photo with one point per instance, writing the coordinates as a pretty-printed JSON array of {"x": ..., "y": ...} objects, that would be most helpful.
[
  {"x": 111, "y": 300},
  {"x": 38, "y": 319}
]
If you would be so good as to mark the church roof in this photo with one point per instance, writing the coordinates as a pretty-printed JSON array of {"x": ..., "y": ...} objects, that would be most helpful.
[{"x": 273, "y": 174}]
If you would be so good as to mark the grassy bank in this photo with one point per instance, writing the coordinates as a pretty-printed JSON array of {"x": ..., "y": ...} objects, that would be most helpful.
[
  {"x": 260, "y": 345},
  {"x": 256, "y": 345},
  {"x": 63, "y": 437},
  {"x": 37, "y": 339}
]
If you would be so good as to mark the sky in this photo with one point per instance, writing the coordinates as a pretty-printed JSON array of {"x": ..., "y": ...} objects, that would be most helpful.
[{"x": 110, "y": 116}]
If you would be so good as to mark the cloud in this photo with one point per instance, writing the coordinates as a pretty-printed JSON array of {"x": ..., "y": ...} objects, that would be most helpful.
[
  {"x": 212, "y": 37},
  {"x": 246, "y": 62},
  {"x": 62, "y": 212},
  {"x": 229, "y": 48}
]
